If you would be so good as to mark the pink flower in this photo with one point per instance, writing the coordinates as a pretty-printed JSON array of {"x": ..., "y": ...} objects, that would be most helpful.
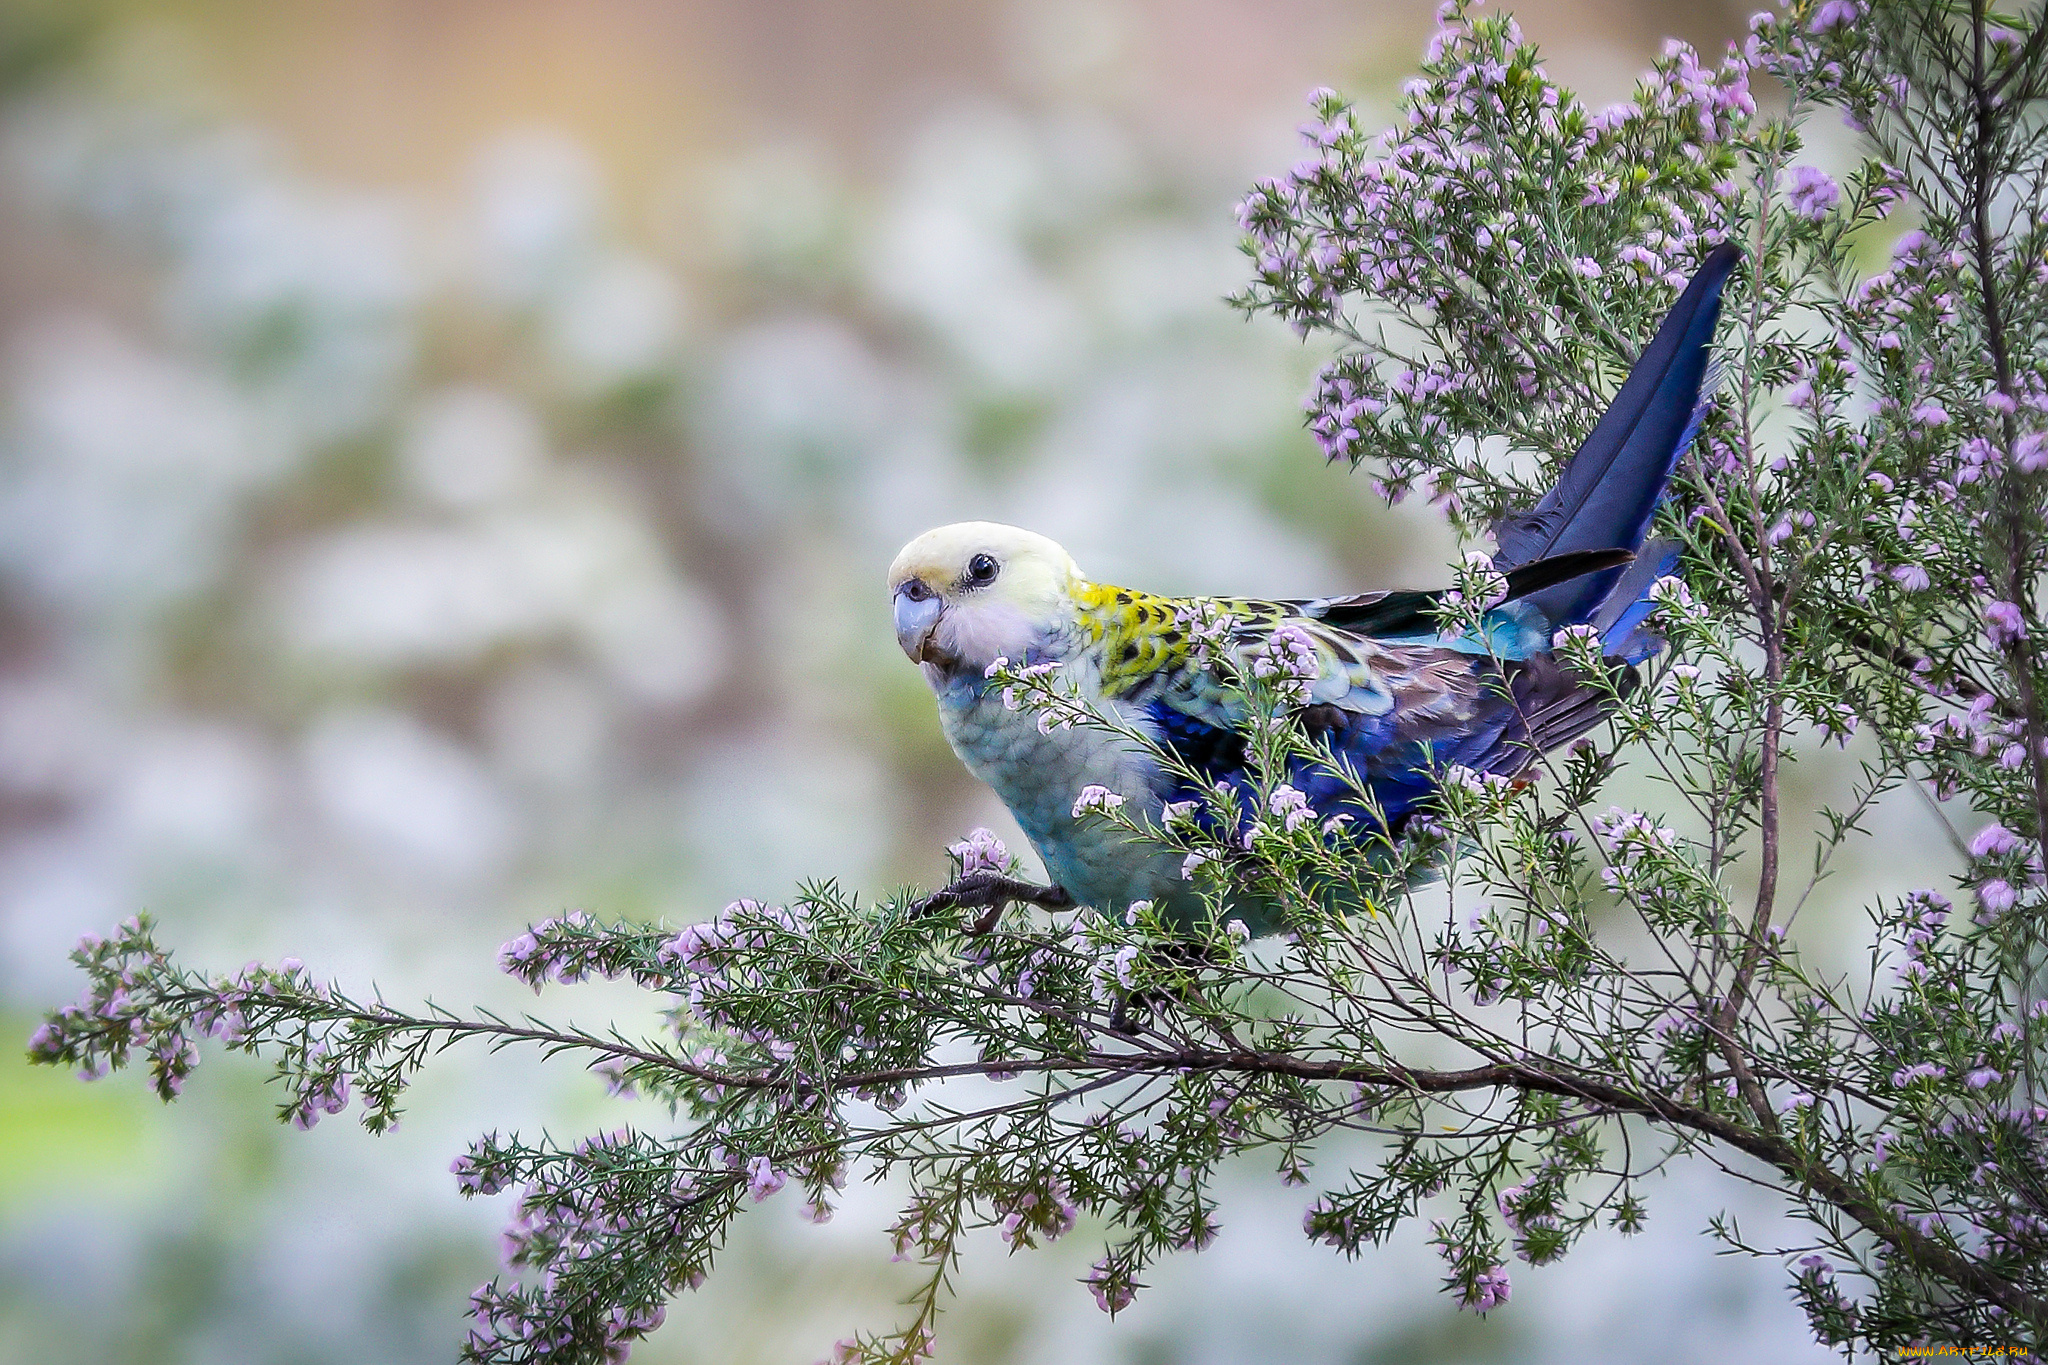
[
  {"x": 1291, "y": 658},
  {"x": 1113, "y": 1292},
  {"x": 1834, "y": 14},
  {"x": 475, "y": 1177},
  {"x": 1094, "y": 798},
  {"x": 1911, "y": 577},
  {"x": 1564, "y": 638},
  {"x": 1813, "y": 194},
  {"x": 1993, "y": 840},
  {"x": 763, "y": 1179},
  {"x": 1291, "y": 805},
  {"x": 517, "y": 956},
  {"x": 1997, "y": 897},
  {"x": 980, "y": 851},
  {"x": 328, "y": 1096},
  {"x": 2003, "y": 623},
  {"x": 1490, "y": 1289},
  {"x": 695, "y": 948}
]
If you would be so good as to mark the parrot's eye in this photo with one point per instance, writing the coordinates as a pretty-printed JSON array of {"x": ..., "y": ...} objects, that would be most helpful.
[
  {"x": 981, "y": 570},
  {"x": 915, "y": 589}
]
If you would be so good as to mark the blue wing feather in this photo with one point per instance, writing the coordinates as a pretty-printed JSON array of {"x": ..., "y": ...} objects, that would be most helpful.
[{"x": 1397, "y": 702}]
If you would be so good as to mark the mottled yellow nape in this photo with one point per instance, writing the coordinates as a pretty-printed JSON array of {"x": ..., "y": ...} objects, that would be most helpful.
[{"x": 1138, "y": 633}]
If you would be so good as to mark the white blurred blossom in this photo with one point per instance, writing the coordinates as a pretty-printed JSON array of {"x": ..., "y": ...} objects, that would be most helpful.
[
  {"x": 413, "y": 800},
  {"x": 123, "y": 468},
  {"x": 467, "y": 446}
]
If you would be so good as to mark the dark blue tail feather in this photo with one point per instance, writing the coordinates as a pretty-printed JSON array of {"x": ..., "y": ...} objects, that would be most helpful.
[{"x": 1609, "y": 489}]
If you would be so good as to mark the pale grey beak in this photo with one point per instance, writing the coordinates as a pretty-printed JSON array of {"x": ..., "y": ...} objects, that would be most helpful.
[{"x": 915, "y": 620}]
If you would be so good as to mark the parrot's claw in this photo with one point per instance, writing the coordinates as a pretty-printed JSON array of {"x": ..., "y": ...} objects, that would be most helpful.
[{"x": 990, "y": 892}]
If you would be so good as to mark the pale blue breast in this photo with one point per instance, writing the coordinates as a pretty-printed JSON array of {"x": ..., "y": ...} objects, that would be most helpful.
[{"x": 1039, "y": 776}]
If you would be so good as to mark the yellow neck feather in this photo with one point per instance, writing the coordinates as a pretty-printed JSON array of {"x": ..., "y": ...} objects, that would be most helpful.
[{"x": 1136, "y": 633}]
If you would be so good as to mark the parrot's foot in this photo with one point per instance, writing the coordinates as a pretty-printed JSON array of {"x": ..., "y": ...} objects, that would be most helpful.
[{"x": 990, "y": 892}]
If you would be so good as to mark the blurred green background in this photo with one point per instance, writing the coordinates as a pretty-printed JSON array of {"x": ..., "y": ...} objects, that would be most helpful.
[{"x": 449, "y": 450}]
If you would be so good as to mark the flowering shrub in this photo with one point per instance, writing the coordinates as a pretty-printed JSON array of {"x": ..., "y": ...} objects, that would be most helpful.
[{"x": 1862, "y": 522}]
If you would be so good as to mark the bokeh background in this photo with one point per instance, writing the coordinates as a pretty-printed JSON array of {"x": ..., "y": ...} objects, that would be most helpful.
[{"x": 449, "y": 450}]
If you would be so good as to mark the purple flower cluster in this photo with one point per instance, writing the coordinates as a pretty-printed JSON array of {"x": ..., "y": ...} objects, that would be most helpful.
[
  {"x": 734, "y": 971},
  {"x": 112, "y": 1017},
  {"x": 321, "y": 1088},
  {"x": 1978, "y": 730},
  {"x": 1924, "y": 913},
  {"x": 1095, "y": 799},
  {"x": 980, "y": 852},
  {"x": 1479, "y": 1283},
  {"x": 572, "y": 948},
  {"x": 486, "y": 1168},
  {"x": 1490, "y": 786},
  {"x": 1331, "y": 1222},
  {"x": 1812, "y": 193},
  {"x": 1109, "y": 1280},
  {"x": 1456, "y": 204},
  {"x": 136, "y": 1004},
  {"x": 1580, "y": 642},
  {"x": 1031, "y": 1214},
  {"x": 1994, "y": 897},
  {"x": 513, "y": 1324},
  {"x": 1289, "y": 658},
  {"x": 763, "y": 1179},
  {"x": 1338, "y": 409},
  {"x": 583, "y": 1211},
  {"x": 2004, "y": 625},
  {"x": 1967, "y": 442},
  {"x": 1629, "y": 836},
  {"x": 1022, "y": 680},
  {"x": 2004, "y": 858},
  {"x": 1992, "y": 841},
  {"x": 1291, "y": 806},
  {"x": 713, "y": 947},
  {"x": 1529, "y": 1207},
  {"x": 1210, "y": 629},
  {"x": 2005, "y": 1215},
  {"x": 1814, "y": 1282},
  {"x": 1919, "y": 1071},
  {"x": 1488, "y": 1290}
]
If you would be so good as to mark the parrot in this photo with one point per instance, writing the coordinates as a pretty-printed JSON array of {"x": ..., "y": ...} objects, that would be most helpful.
[{"x": 1392, "y": 696}]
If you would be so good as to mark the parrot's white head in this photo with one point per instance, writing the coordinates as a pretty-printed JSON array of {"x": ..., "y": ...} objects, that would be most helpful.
[{"x": 969, "y": 593}]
